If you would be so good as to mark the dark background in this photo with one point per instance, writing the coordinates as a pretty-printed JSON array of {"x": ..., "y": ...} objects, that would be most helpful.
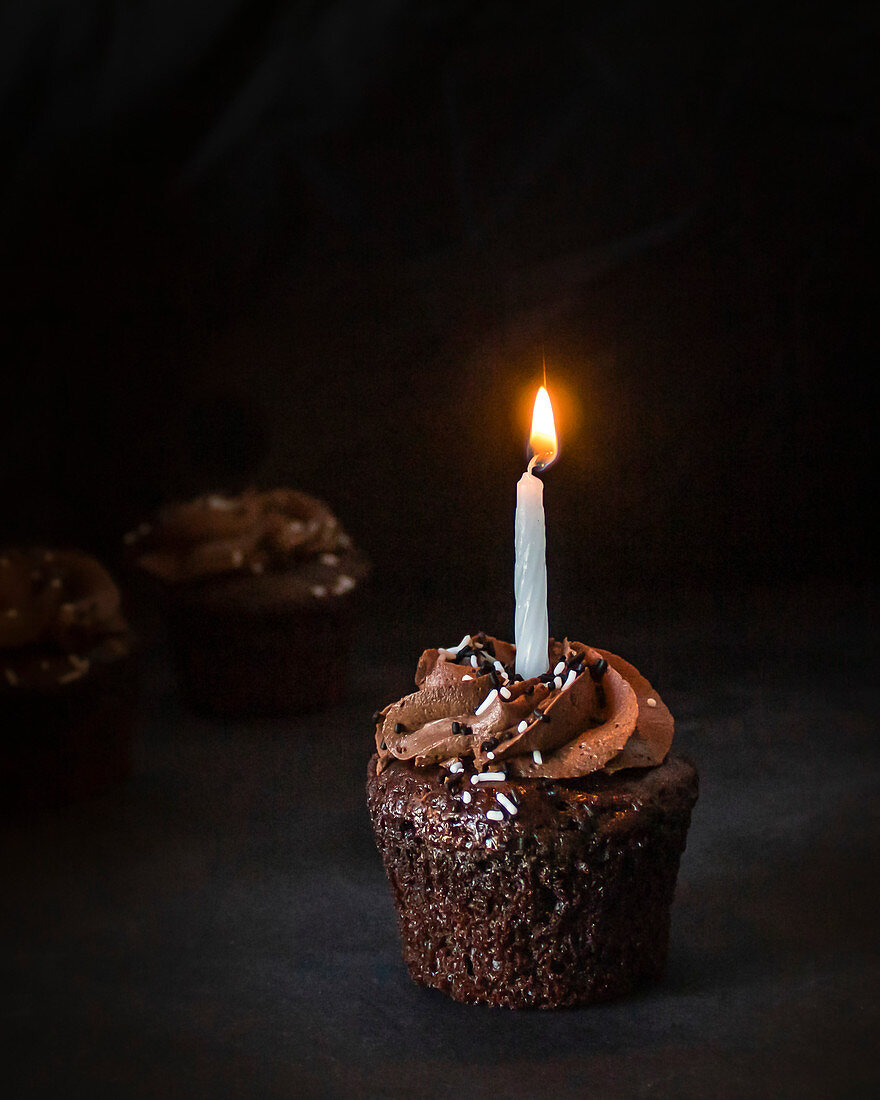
[{"x": 328, "y": 246}]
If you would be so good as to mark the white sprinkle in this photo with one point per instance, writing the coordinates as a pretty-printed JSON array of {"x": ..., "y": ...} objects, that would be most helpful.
[
  {"x": 466, "y": 678},
  {"x": 522, "y": 727},
  {"x": 495, "y": 815},
  {"x": 456, "y": 766},
  {"x": 466, "y": 796},
  {"x": 343, "y": 541},
  {"x": 318, "y": 590},
  {"x": 475, "y": 661},
  {"x": 69, "y": 676},
  {"x": 490, "y": 755},
  {"x": 557, "y": 682},
  {"x": 489, "y": 843},
  {"x": 537, "y": 757},
  {"x": 11, "y": 676},
  {"x": 330, "y": 559},
  {"x": 505, "y": 693},
  {"x": 570, "y": 679},
  {"x": 651, "y": 701},
  {"x": 502, "y": 671},
  {"x": 295, "y": 527},
  {"x": 343, "y": 584},
  {"x": 221, "y": 502},
  {"x": 478, "y": 645},
  {"x": 455, "y": 650},
  {"x": 559, "y": 668},
  {"x": 487, "y": 702},
  {"x": 12, "y": 613},
  {"x": 505, "y": 802},
  {"x": 488, "y": 777},
  {"x": 237, "y": 557}
]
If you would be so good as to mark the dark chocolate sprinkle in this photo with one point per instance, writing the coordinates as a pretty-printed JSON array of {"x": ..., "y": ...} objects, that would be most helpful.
[
  {"x": 456, "y": 727},
  {"x": 598, "y": 670},
  {"x": 399, "y": 727},
  {"x": 490, "y": 744},
  {"x": 377, "y": 717},
  {"x": 540, "y": 714}
]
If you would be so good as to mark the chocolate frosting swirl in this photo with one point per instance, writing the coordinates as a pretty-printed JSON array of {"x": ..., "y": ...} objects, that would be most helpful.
[
  {"x": 592, "y": 711},
  {"x": 254, "y": 532},
  {"x": 57, "y": 609}
]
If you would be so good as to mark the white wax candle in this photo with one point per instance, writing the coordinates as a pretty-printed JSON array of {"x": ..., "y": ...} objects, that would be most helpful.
[{"x": 530, "y": 578}]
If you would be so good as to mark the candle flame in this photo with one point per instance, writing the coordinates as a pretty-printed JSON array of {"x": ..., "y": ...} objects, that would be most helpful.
[{"x": 543, "y": 437}]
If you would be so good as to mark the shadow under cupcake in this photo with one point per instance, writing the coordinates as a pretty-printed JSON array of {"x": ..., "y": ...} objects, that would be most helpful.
[{"x": 258, "y": 593}]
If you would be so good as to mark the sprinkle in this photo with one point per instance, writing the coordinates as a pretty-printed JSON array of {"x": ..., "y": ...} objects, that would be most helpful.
[
  {"x": 490, "y": 755},
  {"x": 597, "y": 671},
  {"x": 221, "y": 502},
  {"x": 319, "y": 591},
  {"x": 537, "y": 757},
  {"x": 466, "y": 796},
  {"x": 237, "y": 557},
  {"x": 79, "y": 662},
  {"x": 540, "y": 714},
  {"x": 495, "y": 815},
  {"x": 522, "y": 727},
  {"x": 570, "y": 679},
  {"x": 454, "y": 650},
  {"x": 343, "y": 541},
  {"x": 557, "y": 682},
  {"x": 456, "y": 766},
  {"x": 399, "y": 727},
  {"x": 69, "y": 676},
  {"x": 487, "y": 702},
  {"x": 377, "y": 717},
  {"x": 475, "y": 661},
  {"x": 295, "y": 527},
  {"x": 466, "y": 678},
  {"x": 559, "y": 668},
  {"x": 505, "y": 693},
  {"x": 343, "y": 584},
  {"x": 502, "y": 671},
  {"x": 488, "y": 777},
  {"x": 651, "y": 701},
  {"x": 456, "y": 728},
  {"x": 12, "y": 613},
  {"x": 505, "y": 802},
  {"x": 330, "y": 559},
  {"x": 477, "y": 645},
  {"x": 11, "y": 676}
]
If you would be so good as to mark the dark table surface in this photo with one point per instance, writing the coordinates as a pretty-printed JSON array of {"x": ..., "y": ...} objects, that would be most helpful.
[{"x": 221, "y": 925}]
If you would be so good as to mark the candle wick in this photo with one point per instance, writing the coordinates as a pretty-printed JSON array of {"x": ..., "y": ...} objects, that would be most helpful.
[{"x": 532, "y": 463}]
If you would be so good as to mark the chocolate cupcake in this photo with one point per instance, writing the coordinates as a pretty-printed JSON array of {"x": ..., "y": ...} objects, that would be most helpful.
[
  {"x": 531, "y": 830},
  {"x": 258, "y": 592},
  {"x": 66, "y": 679}
]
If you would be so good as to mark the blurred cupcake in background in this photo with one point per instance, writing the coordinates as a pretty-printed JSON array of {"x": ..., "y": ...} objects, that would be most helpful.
[
  {"x": 67, "y": 678},
  {"x": 258, "y": 592}
]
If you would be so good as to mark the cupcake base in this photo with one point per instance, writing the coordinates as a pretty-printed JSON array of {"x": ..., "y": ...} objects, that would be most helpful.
[
  {"x": 565, "y": 903},
  {"x": 59, "y": 746},
  {"x": 242, "y": 660}
]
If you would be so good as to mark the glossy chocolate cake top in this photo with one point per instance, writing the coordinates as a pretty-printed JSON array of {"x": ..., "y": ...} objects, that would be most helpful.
[
  {"x": 253, "y": 534},
  {"x": 59, "y": 617},
  {"x": 592, "y": 711}
]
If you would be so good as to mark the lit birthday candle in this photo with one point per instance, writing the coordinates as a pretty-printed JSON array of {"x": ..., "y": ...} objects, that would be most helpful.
[{"x": 530, "y": 575}]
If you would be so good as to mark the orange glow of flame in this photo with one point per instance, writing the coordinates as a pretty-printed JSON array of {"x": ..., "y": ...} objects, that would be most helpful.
[{"x": 543, "y": 437}]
